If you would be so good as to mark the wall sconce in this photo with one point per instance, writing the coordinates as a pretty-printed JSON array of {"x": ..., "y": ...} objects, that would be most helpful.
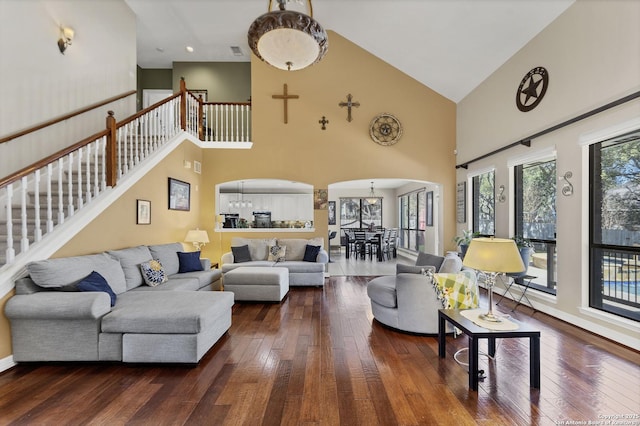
[
  {"x": 501, "y": 197},
  {"x": 66, "y": 36},
  {"x": 567, "y": 187}
]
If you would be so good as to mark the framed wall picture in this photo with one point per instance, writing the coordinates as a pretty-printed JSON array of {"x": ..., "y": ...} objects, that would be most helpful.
[
  {"x": 332, "y": 212},
  {"x": 179, "y": 195},
  {"x": 430, "y": 208},
  {"x": 320, "y": 199},
  {"x": 461, "y": 202},
  {"x": 143, "y": 212}
]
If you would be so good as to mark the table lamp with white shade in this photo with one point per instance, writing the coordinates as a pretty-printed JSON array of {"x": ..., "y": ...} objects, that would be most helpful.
[
  {"x": 198, "y": 237},
  {"x": 493, "y": 256}
]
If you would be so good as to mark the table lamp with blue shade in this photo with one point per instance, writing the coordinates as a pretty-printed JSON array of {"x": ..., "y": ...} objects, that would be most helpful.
[{"x": 493, "y": 256}]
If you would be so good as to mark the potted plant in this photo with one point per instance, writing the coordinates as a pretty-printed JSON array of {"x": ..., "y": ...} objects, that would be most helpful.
[
  {"x": 464, "y": 240},
  {"x": 525, "y": 246}
]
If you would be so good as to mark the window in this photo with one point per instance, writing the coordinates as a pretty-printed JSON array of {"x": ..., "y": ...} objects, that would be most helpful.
[
  {"x": 535, "y": 219},
  {"x": 484, "y": 207},
  {"x": 413, "y": 219},
  {"x": 360, "y": 213},
  {"x": 615, "y": 226}
]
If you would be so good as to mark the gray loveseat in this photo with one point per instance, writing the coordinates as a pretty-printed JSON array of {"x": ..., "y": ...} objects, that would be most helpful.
[
  {"x": 175, "y": 321},
  {"x": 261, "y": 253}
]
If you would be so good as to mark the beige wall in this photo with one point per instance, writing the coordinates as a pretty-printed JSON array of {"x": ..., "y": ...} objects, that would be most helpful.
[
  {"x": 301, "y": 151},
  {"x": 591, "y": 53},
  {"x": 100, "y": 64}
]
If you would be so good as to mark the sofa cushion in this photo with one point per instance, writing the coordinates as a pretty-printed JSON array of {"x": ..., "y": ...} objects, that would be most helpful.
[
  {"x": 69, "y": 271},
  {"x": 154, "y": 312},
  {"x": 426, "y": 259},
  {"x": 450, "y": 265},
  {"x": 300, "y": 266},
  {"x": 177, "y": 282},
  {"x": 153, "y": 273},
  {"x": 311, "y": 253},
  {"x": 241, "y": 254},
  {"x": 277, "y": 253},
  {"x": 96, "y": 282},
  {"x": 411, "y": 269},
  {"x": 382, "y": 290},
  {"x": 296, "y": 246},
  {"x": 167, "y": 254},
  {"x": 130, "y": 260},
  {"x": 259, "y": 248},
  {"x": 189, "y": 261}
]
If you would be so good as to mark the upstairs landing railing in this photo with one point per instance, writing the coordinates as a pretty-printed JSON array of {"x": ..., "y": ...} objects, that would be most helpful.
[{"x": 36, "y": 199}]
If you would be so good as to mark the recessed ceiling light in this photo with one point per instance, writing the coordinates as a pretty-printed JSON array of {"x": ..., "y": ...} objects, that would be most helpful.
[
  {"x": 236, "y": 51},
  {"x": 189, "y": 49}
]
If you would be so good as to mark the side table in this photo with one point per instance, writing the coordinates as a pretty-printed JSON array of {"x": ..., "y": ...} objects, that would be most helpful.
[
  {"x": 475, "y": 332},
  {"x": 526, "y": 279}
]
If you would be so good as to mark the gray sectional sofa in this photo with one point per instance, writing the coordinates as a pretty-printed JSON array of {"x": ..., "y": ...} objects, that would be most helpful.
[
  {"x": 58, "y": 314},
  {"x": 264, "y": 252}
]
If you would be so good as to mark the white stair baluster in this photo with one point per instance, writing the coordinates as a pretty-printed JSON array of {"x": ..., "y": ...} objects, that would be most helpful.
[
  {"x": 80, "y": 194},
  {"x": 70, "y": 208},
  {"x": 88, "y": 194},
  {"x": 37, "y": 232},
  {"x": 60, "y": 191},
  {"x": 96, "y": 167},
  {"x": 103, "y": 154},
  {"x": 49, "y": 198},
  {"x": 11, "y": 253},
  {"x": 24, "y": 241}
]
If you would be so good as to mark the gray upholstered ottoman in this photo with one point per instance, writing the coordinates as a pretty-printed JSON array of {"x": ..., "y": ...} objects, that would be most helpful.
[{"x": 257, "y": 283}]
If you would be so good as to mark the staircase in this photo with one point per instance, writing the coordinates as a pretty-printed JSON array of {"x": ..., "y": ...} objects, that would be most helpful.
[{"x": 44, "y": 205}]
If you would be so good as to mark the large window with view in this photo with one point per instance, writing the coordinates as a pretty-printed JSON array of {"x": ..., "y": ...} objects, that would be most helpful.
[
  {"x": 484, "y": 207},
  {"x": 360, "y": 213},
  {"x": 615, "y": 226},
  {"x": 413, "y": 220},
  {"x": 535, "y": 220}
]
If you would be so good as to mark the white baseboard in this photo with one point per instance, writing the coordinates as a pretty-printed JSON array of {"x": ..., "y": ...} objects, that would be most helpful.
[{"x": 7, "y": 363}]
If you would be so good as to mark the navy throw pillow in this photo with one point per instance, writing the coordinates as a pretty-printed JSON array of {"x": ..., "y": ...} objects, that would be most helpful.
[
  {"x": 96, "y": 282},
  {"x": 311, "y": 253},
  {"x": 189, "y": 262},
  {"x": 241, "y": 254}
]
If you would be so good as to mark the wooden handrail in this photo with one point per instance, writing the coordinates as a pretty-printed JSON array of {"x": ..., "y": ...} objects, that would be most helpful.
[
  {"x": 65, "y": 117},
  {"x": 50, "y": 159}
]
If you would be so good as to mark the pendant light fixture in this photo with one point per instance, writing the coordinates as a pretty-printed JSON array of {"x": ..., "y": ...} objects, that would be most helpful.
[
  {"x": 372, "y": 199},
  {"x": 287, "y": 39}
]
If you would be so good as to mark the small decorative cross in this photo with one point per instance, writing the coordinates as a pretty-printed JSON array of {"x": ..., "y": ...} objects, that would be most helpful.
[
  {"x": 324, "y": 122},
  {"x": 285, "y": 97},
  {"x": 349, "y": 104}
]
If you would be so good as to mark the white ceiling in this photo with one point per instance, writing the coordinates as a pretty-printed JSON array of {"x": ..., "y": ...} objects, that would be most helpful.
[{"x": 450, "y": 46}]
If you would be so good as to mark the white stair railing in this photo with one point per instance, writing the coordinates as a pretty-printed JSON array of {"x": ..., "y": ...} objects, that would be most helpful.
[{"x": 35, "y": 200}]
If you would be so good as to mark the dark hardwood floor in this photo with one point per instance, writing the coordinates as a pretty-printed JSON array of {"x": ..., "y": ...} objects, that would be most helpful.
[{"x": 317, "y": 358}]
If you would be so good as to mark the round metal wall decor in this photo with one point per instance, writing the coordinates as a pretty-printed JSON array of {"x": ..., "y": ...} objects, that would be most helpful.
[
  {"x": 385, "y": 129},
  {"x": 532, "y": 89}
]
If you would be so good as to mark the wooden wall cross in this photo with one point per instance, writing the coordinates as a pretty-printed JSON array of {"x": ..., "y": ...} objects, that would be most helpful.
[
  {"x": 349, "y": 104},
  {"x": 285, "y": 97}
]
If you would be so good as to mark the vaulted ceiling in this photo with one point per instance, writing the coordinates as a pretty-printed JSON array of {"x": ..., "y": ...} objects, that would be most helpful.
[{"x": 450, "y": 46}]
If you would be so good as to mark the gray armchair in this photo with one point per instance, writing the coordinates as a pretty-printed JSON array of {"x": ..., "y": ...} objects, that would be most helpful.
[{"x": 408, "y": 301}]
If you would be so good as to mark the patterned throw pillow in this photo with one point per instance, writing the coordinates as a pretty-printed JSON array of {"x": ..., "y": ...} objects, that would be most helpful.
[
  {"x": 153, "y": 273},
  {"x": 276, "y": 253}
]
